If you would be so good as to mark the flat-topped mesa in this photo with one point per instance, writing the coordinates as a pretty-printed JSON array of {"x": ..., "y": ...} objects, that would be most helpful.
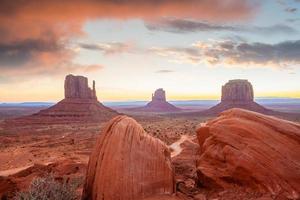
[
  {"x": 79, "y": 105},
  {"x": 76, "y": 87},
  {"x": 237, "y": 91},
  {"x": 158, "y": 103},
  {"x": 159, "y": 95}
]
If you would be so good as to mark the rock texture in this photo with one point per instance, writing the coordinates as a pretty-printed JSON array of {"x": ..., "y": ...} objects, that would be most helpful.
[
  {"x": 250, "y": 149},
  {"x": 127, "y": 163},
  {"x": 21, "y": 180},
  {"x": 159, "y": 95},
  {"x": 77, "y": 87},
  {"x": 79, "y": 105},
  {"x": 159, "y": 103},
  {"x": 237, "y": 91},
  {"x": 237, "y": 94}
]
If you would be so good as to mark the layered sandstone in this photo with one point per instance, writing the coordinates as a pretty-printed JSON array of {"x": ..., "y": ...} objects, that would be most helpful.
[
  {"x": 127, "y": 163},
  {"x": 237, "y": 94},
  {"x": 159, "y": 103},
  {"x": 79, "y": 105},
  {"x": 237, "y": 91},
  {"x": 251, "y": 150},
  {"x": 77, "y": 87}
]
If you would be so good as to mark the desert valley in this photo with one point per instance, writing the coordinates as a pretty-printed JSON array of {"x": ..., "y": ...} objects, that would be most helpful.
[
  {"x": 235, "y": 149},
  {"x": 149, "y": 100}
]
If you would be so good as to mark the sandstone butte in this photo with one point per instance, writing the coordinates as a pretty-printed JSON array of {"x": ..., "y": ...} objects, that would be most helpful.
[
  {"x": 250, "y": 149},
  {"x": 79, "y": 105},
  {"x": 159, "y": 103},
  {"x": 127, "y": 163},
  {"x": 237, "y": 93}
]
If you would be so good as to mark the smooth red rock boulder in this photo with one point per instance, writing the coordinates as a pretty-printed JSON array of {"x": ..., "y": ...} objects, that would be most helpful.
[
  {"x": 127, "y": 163},
  {"x": 250, "y": 149}
]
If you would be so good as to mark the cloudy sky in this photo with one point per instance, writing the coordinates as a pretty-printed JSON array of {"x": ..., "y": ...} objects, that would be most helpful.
[{"x": 131, "y": 47}]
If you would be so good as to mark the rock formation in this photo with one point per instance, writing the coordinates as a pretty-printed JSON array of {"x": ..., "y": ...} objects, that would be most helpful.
[
  {"x": 159, "y": 95},
  {"x": 127, "y": 163},
  {"x": 77, "y": 87},
  {"x": 237, "y": 94},
  {"x": 79, "y": 105},
  {"x": 159, "y": 103},
  {"x": 237, "y": 91},
  {"x": 250, "y": 149}
]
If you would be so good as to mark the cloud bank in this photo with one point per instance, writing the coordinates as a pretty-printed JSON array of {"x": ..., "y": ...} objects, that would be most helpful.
[
  {"x": 174, "y": 25},
  {"x": 37, "y": 33},
  {"x": 284, "y": 55}
]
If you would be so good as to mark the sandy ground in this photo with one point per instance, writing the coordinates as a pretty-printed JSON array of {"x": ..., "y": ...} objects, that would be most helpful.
[
  {"x": 33, "y": 148},
  {"x": 22, "y": 147}
]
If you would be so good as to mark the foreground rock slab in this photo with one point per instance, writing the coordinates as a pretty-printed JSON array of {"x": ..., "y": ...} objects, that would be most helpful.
[
  {"x": 250, "y": 149},
  {"x": 127, "y": 163}
]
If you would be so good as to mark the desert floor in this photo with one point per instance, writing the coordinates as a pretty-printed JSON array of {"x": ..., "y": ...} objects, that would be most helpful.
[{"x": 63, "y": 150}]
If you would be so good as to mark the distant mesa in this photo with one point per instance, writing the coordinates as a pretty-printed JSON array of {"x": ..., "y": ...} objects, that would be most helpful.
[
  {"x": 79, "y": 105},
  {"x": 128, "y": 163},
  {"x": 158, "y": 103},
  {"x": 237, "y": 93}
]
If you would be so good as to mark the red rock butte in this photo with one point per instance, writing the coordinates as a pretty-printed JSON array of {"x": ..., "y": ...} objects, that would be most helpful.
[
  {"x": 159, "y": 103},
  {"x": 250, "y": 149},
  {"x": 79, "y": 105},
  {"x": 237, "y": 93},
  {"x": 127, "y": 163}
]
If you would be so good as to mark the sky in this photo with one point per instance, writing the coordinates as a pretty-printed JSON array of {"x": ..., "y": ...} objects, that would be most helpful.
[{"x": 132, "y": 47}]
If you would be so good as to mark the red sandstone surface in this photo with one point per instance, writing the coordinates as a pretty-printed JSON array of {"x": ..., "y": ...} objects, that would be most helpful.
[
  {"x": 252, "y": 150},
  {"x": 127, "y": 163},
  {"x": 34, "y": 150}
]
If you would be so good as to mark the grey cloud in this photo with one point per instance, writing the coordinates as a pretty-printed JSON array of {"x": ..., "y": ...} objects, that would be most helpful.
[
  {"x": 281, "y": 55},
  {"x": 291, "y": 10},
  {"x": 185, "y": 26},
  {"x": 182, "y": 26},
  {"x": 21, "y": 52},
  {"x": 108, "y": 48}
]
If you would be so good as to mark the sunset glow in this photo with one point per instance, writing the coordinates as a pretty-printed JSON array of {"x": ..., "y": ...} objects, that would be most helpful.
[{"x": 130, "y": 48}]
